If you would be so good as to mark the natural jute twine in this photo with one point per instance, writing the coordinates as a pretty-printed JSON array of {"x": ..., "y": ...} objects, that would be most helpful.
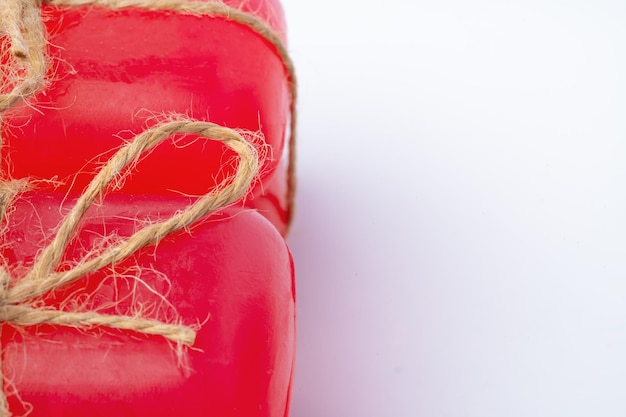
[{"x": 21, "y": 23}]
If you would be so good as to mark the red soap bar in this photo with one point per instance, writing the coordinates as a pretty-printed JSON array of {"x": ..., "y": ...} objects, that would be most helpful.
[
  {"x": 113, "y": 70},
  {"x": 233, "y": 273}
]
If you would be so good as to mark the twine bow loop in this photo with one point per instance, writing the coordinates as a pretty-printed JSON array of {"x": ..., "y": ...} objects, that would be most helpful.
[{"x": 16, "y": 295}]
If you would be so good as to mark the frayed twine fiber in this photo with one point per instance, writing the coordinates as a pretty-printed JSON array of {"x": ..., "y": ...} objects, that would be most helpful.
[{"x": 20, "y": 21}]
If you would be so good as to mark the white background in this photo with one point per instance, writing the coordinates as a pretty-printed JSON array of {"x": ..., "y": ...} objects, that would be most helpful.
[{"x": 460, "y": 238}]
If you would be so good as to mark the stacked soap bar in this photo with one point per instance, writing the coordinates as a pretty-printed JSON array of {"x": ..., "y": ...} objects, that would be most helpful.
[{"x": 114, "y": 72}]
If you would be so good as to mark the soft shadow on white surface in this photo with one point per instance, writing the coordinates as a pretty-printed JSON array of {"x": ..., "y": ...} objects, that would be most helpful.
[{"x": 459, "y": 239}]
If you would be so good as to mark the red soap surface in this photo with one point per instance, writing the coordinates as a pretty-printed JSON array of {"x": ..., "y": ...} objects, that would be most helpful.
[
  {"x": 233, "y": 273},
  {"x": 114, "y": 72}
]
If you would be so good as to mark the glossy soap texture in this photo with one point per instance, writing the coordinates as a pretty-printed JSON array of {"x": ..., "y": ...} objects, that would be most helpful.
[{"x": 112, "y": 74}]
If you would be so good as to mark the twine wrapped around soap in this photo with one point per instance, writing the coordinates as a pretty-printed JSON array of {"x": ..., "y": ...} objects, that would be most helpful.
[{"x": 20, "y": 21}]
